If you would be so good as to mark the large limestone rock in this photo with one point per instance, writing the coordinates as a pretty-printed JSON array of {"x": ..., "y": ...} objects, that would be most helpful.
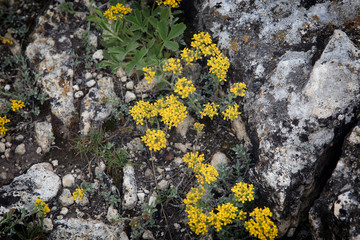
[{"x": 335, "y": 215}]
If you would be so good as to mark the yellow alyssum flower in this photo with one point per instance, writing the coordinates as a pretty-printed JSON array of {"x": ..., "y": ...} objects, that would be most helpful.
[
  {"x": 78, "y": 194},
  {"x": 198, "y": 221},
  {"x": 154, "y": 139},
  {"x": 194, "y": 195},
  {"x": 193, "y": 159},
  {"x": 243, "y": 192},
  {"x": 42, "y": 206},
  {"x": 3, "y": 130},
  {"x": 226, "y": 213},
  {"x": 219, "y": 65},
  {"x": 149, "y": 73},
  {"x": 206, "y": 174},
  {"x": 6, "y": 41},
  {"x": 172, "y": 3},
  {"x": 200, "y": 39},
  {"x": 172, "y": 111},
  {"x": 117, "y": 12},
  {"x": 260, "y": 225},
  {"x": 173, "y": 65},
  {"x": 184, "y": 87},
  {"x": 210, "y": 110},
  {"x": 198, "y": 126},
  {"x": 17, "y": 104},
  {"x": 187, "y": 55},
  {"x": 3, "y": 121},
  {"x": 242, "y": 215},
  {"x": 232, "y": 112},
  {"x": 143, "y": 110},
  {"x": 238, "y": 89}
]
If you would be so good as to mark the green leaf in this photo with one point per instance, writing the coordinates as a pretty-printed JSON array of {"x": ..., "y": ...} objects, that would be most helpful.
[
  {"x": 95, "y": 19},
  {"x": 164, "y": 14},
  {"x": 133, "y": 20},
  {"x": 98, "y": 12},
  {"x": 163, "y": 29},
  {"x": 173, "y": 46},
  {"x": 138, "y": 17},
  {"x": 161, "y": 85},
  {"x": 176, "y": 31},
  {"x": 153, "y": 21},
  {"x": 140, "y": 54},
  {"x": 130, "y": 66},
  {"x": 116, "y": 49}
]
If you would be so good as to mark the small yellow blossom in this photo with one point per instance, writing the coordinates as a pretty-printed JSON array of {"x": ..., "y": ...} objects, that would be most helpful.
[
  {"x": 142, "y": 110},
  {"x": 232, "y": 112},
  {"x": 42, "y": 206},
  {"x": 210, "y": 110},
  {"x": 206, "y": 174},
  {"x": 198, "y": 221},
  {"x": 243, "y": 192},
  {"x": 173, "y": 65},
  {"x": 3, "y": 121},
  {"x": 193, "y": 159},
  {"x": 260, "y": 225},
  {"x": 117, "y": 12},
  {"x": 242, "y": 215},
  {"x": 194, "y": 196},
  {"x": 154, "y": 139},
  {"x": 78, "y": 194},
  {"x": 184, "y": 87},
  {"x": 200, "y": 39},
  {"x": 6, "y": 41},
  {"x": 172, "y": 3},
  {"x": 219, "y": 65},
  {"x": 188, "y": 55},
  {"x": 17, "y": 104},
  {"x": 149, "y": 74},
  {"x": 238, "y": 89},
  {"x": 198, "y": 126},
  {"x": 172, "y": 111},
  {"x": 225, "y": 215}
]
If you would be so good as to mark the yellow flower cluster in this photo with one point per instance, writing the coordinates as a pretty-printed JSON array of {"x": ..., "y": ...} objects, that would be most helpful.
[
  {"x": 149, "y": 73},
  {"x": 194, "y": 195},
  {"x": 198, "y": 220},
  {"x": 17, "y": 104},
  {"x": 210, "y": 110},
  {"x": 205, "y": 173},
  {"x": 78, "y": 194},
  {"x": 184, "y": 87},
  {"x": 172, "y": 111},
  {"x": 154, "y": 139},
  {"x": 116, "y": 12},
  {"x": 260, "y": 225},
  {"x": 173, "y": 65},
  {"x": 193, "y": 159},
  {"x": 232, "y": 112},
  {"x": 3, "y": 121},
  {"x": 219, "y": 65},
  {"x": 243, "y": 192},
  {"x": 42, "y": 206},
  {"x": 198, "y": 126},
  {"x": 226, "y": 213},
  {"x": 142, "y": 110},
  {"x": 7, "y": 41},
  {"x": 188, "y": 56},
  {"x": 172, "y": 3},
  {"x": 238, "y": 89}
]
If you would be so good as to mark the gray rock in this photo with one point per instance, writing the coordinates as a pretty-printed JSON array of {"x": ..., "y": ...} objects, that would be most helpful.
[
  {"x": 20, "y": 149},
  {"x": 92, "y": 229},
  {"x": 79, "y": 94},
  {"x": 148, "y": 235},
  {"x": 129, "y": 85},
  {"x": 48, "y": 225},
  {"x": 64, "y": 211},
  {"x": 90, "y": 83},
  {"x": 65, "y": 198},
  {"x": 184, "y": 126},
  {"x": 336, "y": 213},
  {"x": 19, "y": 138},
  {"x": 219, "y": 159},
  {"x": 163, "y": 185},
  {"x": 240, "y": 130},
  {"x": 68, "y": 180},
  {"x": 112, "y": 214},
  {"x": 129, "y": 96},
  {"x": 38, "y": 182},
  {"x": 94, "y": 106},
  {"x": 143, "y": 86},
  {"x": 44, "y": 135},
  {"x": 98, "y": 55},
  {"x": 129, "y": 187},
  {"x": 2, "y": 147}
]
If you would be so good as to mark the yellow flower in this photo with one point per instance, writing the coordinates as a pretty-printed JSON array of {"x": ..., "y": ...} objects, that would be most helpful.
[
  {"x": 42, "y": 206},
  {"x": 184, "y": 87},
  {"x": 78, "y": 194},
  {"x": 243, "y": 192},
  {"x": 238, "y": 89},
  {"x": 154, "y": 139},
  {"x": 231, "y": 112},
  {"x": 3, "y": 120},
  {"x": 242, "y": 215},
  {"x": 260, "y": 225},
  {"x": 149, "y": 73},
  {"x": 7, "y": 41},
  {"x": 116, "y": 12},
  {"x": 225, "y": 215},
  {"x": 173, "y": 65},
  {"x": 172, "y": 3},
  {"x": 200, "y": 39},
  {"x": 194, "y": 196},
  {"x": 210, "y": 110},
  {"x": 193, "y": 159},
  {"x": 198, "y": 126},
  {"x": 172, "y": 111},
  {"x": 198, "y": 221},
  {"x": 17, "y": 104},
  {"x": 206, "y": 174},
  {"x": 3, "y": 130},
  {"x": 188, "y": 55},
  {"x": 142, "y": 110},
  {"x": 219, "y": 65}
]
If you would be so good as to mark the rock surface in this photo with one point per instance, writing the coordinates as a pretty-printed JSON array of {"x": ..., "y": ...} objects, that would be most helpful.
[{"x": 129, "y": 187}]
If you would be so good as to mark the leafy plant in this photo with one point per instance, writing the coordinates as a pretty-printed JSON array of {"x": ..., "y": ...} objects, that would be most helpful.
[{"x": 67, "y": 7}]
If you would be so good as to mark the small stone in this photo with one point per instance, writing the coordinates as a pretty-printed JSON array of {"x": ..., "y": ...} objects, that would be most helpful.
[
  {"x": 3, "y": 175},
  {"x": 20, "y": 149},
  {"x": 129, "y": 96},
  {"x": 7, "y": 87},
  {"x": 112, "y": 214},
  {"x": 183, "y": 147},
  {"x": 123, "y": 79},
  {"x": 79, "y": 94},
  {"x": 148, "y": 173},
  {"x": 141, "y": 197},
  {"x": 68, "y": 180},
  {"x": 177, "y": 226},
  {"x": 90, "y": 83},
  {"x": 178, "y": 161},
  {"x": 19, "y": 138},
  {"x": 8, "y": 144},
  {"x": 55, "y": 163},
  {"x": 152, "y": 199},
  {"x": 83, "y": 201},
  {"x": 123, "y": 236},
  {"x": 88, "y": 75},
  {"x": 65, "y": 198},
  {"x": 129, "y": 187},
  {"x": 98, "y": 55},
  {"x": 148, "y": 235},
  {"x": 64, "y": 211},
  {"x": 159, "y": 170},
  {"x": 38, "y": 150},
  {"x": 163, "y": 185},
  {"x": 184, "y": 126},
  {"x": 76, "y": 87},
  {"x": 120, "y": 73},
  {"x": 2, "y": 147},
  {"x": 48, "y": 225},
  {"x": 130, "y": 85},
  {"x": 218, "y": 159}
]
